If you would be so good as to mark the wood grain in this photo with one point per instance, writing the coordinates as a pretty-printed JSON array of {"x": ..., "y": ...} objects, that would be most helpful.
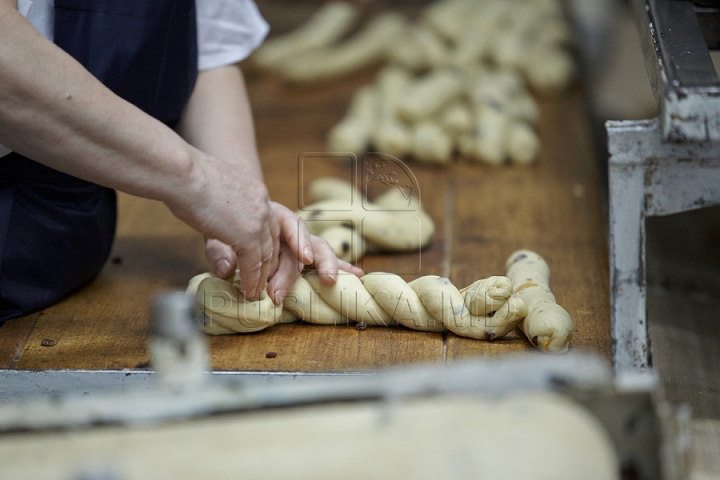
[
  {"x": 554, "y": 208},
  {"x": 105, "y": 324},
  {"x": 304, "y": 347},
  {"x": 13, "y": 336}
]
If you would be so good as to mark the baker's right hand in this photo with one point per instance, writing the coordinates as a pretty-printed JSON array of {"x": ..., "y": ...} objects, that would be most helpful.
[{"x": 231, "y": 205}]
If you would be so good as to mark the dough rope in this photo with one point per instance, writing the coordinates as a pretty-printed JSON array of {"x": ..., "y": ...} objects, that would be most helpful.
[
  {"x": 327, "y": 25},
  {"x": 485, "y": 310},
  {"x": 547, "y": 325},
  {"x": 368, "y": 46},
  {"x": 457, "y": 80}
]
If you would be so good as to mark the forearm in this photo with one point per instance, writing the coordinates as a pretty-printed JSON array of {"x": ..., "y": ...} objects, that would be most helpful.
[
  {"x": 218, "y": 119},
  {"x": 53, "y": 111}
]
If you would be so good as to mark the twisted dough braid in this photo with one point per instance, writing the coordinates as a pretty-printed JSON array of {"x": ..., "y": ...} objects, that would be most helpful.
[{"x": 485, "y": 310}]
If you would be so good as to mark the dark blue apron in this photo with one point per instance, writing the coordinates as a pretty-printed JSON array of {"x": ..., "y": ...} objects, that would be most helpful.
[{"x": 56, "y": 231}]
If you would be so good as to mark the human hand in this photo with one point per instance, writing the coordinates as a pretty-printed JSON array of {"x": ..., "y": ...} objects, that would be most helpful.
[
  {"x": 297, "y": 250},
  {"x": 231, "y": 204}
]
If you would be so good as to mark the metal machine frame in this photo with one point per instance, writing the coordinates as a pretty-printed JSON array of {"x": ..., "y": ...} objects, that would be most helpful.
[{"x": 662, "y": 166}]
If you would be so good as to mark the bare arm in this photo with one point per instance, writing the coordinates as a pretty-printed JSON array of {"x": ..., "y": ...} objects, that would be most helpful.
[
  {"x": 54, "y": 111},
  {"x": 218, "y": 121}
]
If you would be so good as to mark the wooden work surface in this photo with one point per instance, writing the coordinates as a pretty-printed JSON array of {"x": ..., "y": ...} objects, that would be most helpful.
[{"x": 482, "y": 214}]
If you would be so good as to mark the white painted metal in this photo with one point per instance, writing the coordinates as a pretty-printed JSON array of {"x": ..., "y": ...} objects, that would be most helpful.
[
  {"x": 647, "y": 176},
  {"x": 662, "y": 166},
  {"x": 645, "y": 431},
  {"x": 21, "y": 386},
  {"x": 156, "y": 401}
]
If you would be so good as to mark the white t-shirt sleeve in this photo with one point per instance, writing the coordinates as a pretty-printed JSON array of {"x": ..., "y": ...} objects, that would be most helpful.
[{"x": 228, "y": 31}]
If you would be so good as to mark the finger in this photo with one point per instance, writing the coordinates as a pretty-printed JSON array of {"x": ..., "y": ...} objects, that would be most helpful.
[
  {"x": 271, "y": 252},
  {"x": 253, "y": 264},
  {"x": 287, "y": 273},
  {"x": 221, "y": 257},
  {"x": 275, "y": 232},
  {"x": 326, "y": 262},
  {"x": 249, "y": 261},
  {"x": 295, "y": 233},
  {"x": 350, "y": 268},
  {"x": 257, "y": 259}
]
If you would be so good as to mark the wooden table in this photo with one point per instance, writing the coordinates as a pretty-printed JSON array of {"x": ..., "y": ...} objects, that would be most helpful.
[{"x": 482, "y": 215}]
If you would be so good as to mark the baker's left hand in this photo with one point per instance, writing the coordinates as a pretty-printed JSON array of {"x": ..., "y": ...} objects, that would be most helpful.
[{"x": 298, "y": 250}]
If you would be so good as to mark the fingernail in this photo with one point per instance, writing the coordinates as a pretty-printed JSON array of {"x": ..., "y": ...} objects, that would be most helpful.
[
  {"x": 223, "y": 268},
  {"x": 333, "y": 274},
  {"x": 280, "y": 296},
  {"x": 308, "y": 255}
]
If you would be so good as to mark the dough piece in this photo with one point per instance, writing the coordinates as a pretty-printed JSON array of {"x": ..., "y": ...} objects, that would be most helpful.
[
  {"x": 451, "y": 18},
  {"x": 353, "y": 132},
  {"x": 548, "y": 69},
  {"x": 346, "y": 242},
  {"x": 391, "y": 136},
  {"x": 420, "y": 48},
  {"x": 457, "y": 119},
  {"x": 430, "y": 94},
  {"x": 320, "y": 216},
  {"x": 394, "y": 222},
  {"x": 331, "y": 188},
  {"x": 474, "y": 44},
  {"x": 224, "y": 308},
  {"x": 430, "y": 143},
  {"x": 327, "y": 24},
  {"x": 303, "y": 300},
  {"x": 509, "y": 48},
  {"x": 352, "y": 300},
  {"x": 495, "y": 87},
  {"x": 397, "y": 199},
  {"x": 368, "y": 46},
  {"x": 521, "y": 143},
  {"x": 398, "y": 298},
  {"x": 523, "y": 107},
  {"x": 470, "y": 315},
  {"x": 395, "y": 230},
  {"x": 488, "y": 143},
  {"x": 547, "y": 325}
]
